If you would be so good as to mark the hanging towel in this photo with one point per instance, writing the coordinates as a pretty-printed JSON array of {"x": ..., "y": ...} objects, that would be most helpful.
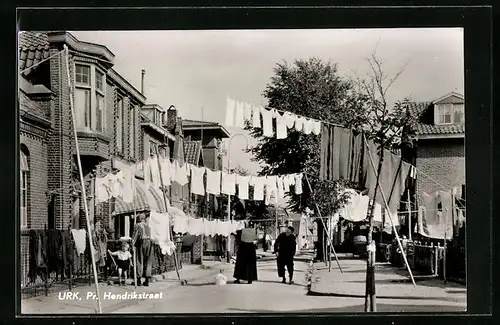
[
  {"x": 391, "y": 181},
  {"x": 160, "y": 231},
  {"x": 334, "y": 147},
  {"x": 180, "y": 224},
  {"x": 248, "y": 112},
  {"x": 213, "y": 181},
  {"x": 298, "y": 183},
  {"x": 299, "y": 123},
  {"x": 79, "y": 237},
  {"x": 239, "y": 118},
  {"x": 197, "y": 186},
  {"x": 308, "y": 126},
  {"x": 377, "y": 213},
  {"x": 256, "y": 117},
  {"x": 181, "y": 173},
  {"x": 316, "y": 129},
  {"x": 271, "y": 188},
  {"x": 242, "y": 182},
  {"x": 155, "y": 172},
  {"x": 165, "y": 171},
  {"x": 345, "y": 152},
  {"x": 356, "y": 207},
  {"x": 128, "y": 185},
  {"x": 230, "y": 108},
  {"x": 324, "y": 153},
  {"x": 258, "y": 187},
  {"x": 280, "y": 188},
  {"x": 281, "y": 131},
  {"x": 289, "y": 119},
  {"x": 228, "y": 183},
  {"x": 267, "y": 122}
]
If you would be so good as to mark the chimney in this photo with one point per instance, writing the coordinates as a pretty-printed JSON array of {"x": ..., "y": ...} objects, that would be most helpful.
[
  {"x": 143, "y": 72},
  {"x": 171, "y": 117}
]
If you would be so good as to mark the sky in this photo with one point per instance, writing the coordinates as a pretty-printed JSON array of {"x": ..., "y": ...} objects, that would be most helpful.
[{"x": 196, "y": 70}]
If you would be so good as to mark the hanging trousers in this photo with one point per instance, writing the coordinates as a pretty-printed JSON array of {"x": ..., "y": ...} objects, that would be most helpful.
[
  {"x": 285, "y": 261},
  {"x": 144, "y": 258}
]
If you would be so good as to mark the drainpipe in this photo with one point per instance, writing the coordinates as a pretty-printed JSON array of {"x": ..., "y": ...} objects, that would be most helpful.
[{"x": 143, "y": 73}]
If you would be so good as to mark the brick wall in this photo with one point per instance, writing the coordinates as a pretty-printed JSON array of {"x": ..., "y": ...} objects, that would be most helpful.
[
  {"x": 36, "y": 148},
  {"x": 61, "y": 143},
  {"x": 441, "y": 160}
]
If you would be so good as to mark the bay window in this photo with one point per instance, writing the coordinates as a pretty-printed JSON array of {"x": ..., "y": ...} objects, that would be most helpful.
[
  {"x": 449, "y": 114},
  {"x": 90, "y": 94}
]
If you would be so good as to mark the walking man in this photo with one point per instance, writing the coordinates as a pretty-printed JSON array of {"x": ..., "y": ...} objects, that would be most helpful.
[
  {"x": 142, "y": 240},
  {"x": 284, "y": 248}
]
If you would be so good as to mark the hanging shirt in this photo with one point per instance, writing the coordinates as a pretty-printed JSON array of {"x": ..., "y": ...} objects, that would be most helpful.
[
  {"x": 213, "y": 181},
  {"x": 316, "y": 127},
  {"x": 281, "y": 131},
  {"x": 256, "y": 117},
  {"x": 230, "y": 107},
  {"x": 248, "y": 112},
  {"x": 242, "y": 182},
  {"x": 197, "y": 186},
  {"x": 80, "y": 240},
  {"x": 298, "y": 183},
  {"x": 290, "y": 119},
  {"x": 299, "y": 123},
  {"x": 166, "y": 171},
  {"x": 239, "y": 118},
  {"x": 228, "y": 183},
  {"x": 271, "y": 188},
  {"x": 267, "y": 122},
  {"x": 102, "y": 189},
  {"x": 258, "y": 187},
  {"x": 308, "y": 125}
]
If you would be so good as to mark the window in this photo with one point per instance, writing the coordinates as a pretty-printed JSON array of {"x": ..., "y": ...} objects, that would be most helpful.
[
  {"x": 119, "y": 126},
  {"x": 157, "y": 116},
  {"x": 24, "y": 181},
  {"x": 132, "y": 130},
  {"x": 152, "y": 148},
  {"x": 449, "y": 113},
  {"x": 90, "y": 96}
]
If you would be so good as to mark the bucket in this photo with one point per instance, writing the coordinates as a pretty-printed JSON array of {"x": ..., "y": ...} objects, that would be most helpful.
[{"x": 220, "y": 279}]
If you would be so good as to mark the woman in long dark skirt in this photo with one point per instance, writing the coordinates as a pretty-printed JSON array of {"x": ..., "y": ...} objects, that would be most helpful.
[{"x": 246, "y": 257}]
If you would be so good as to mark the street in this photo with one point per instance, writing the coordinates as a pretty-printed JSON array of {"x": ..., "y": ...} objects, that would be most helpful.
[{"x": 267, "y": 295}]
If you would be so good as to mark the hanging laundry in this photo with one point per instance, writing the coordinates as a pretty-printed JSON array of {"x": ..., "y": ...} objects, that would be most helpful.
[
  {"x": 102, "y": 189},
  {"x": 239, "y": 118},
  {"x": 445, "y": 199},
  {"x": 248, "y": 112},
  {"x": 242, "y": 182},
  {"x": 271, "y": 188},
  {"x": 228, "y": 183},
  {"x": 180, "y": 223},
  {"x": 160, "y": 231},
  {"x": 281, "y": 131},
  {"x": 356, "y": 208},
  {"x": 258, "y": 187},
  {"x": 267, "y": 122},
  {"x": 230, "y": 108},
  {"x": 79, "y": 237},
  {"x": 299, "y": 123},
  {"x": 290, "y": 119},
  {"x": 355, "y": 163},
  {"x": 370, "y": 165},
  {"x": 280, "y": 188},
  {"x": 155, "y": 172},
  {"x": 298, "y": 183},
  {"x": 117, "y": 184},
  {"x": 377, "y": 213},
  {"x": 256, "y": 117},
  {"x": 166, "y": 171},
  {"x": 213, "y": 181},
  {"x": 308, "y": 126},
  {"x": 345, "y": 152},
  {"x": 197, "y": 186},
  {"x": 316, "y": 129},
  {"x": 128, "y": 185},
  {"x": 433, "y": 219},
  {"x": 181, "y": 173},
  {"x": 147, "y": 171},
  {"x": 286, "y": 181}
]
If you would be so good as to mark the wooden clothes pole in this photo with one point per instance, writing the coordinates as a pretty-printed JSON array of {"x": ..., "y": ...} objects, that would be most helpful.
[
  {"x": 80, "y": 171},
  {"x": 390, "y": 219},
  {"x": 409, "y": 216},
  {"x": 136, "y": 277},
  {"x": 322, "y": 221},
  {"x": 445, "y": 243}
]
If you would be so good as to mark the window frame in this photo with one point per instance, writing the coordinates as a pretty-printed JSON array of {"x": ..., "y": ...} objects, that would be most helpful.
[
  {"x": 24, "y": 174},
  {"x": 95, "y": 92},
  {"x": 120, "y": 110},
  {"x": 132, "y": 131},
  {"x": 440, "y": 114}
]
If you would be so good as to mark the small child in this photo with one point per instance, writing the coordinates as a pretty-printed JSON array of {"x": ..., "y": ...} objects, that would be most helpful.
[{"x": 123, "y": 262}]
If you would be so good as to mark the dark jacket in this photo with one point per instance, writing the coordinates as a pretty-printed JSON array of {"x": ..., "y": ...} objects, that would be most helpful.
[{"x": 285, "y": 245}]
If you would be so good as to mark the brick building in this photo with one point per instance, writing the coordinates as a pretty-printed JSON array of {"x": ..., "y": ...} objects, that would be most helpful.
[{"x": 439, "y": 144}]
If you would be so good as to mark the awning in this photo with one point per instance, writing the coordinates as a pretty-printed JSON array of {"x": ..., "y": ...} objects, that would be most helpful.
[
  {"x": 145, "y": 200},
  {"x": 24, "y": 162}
]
